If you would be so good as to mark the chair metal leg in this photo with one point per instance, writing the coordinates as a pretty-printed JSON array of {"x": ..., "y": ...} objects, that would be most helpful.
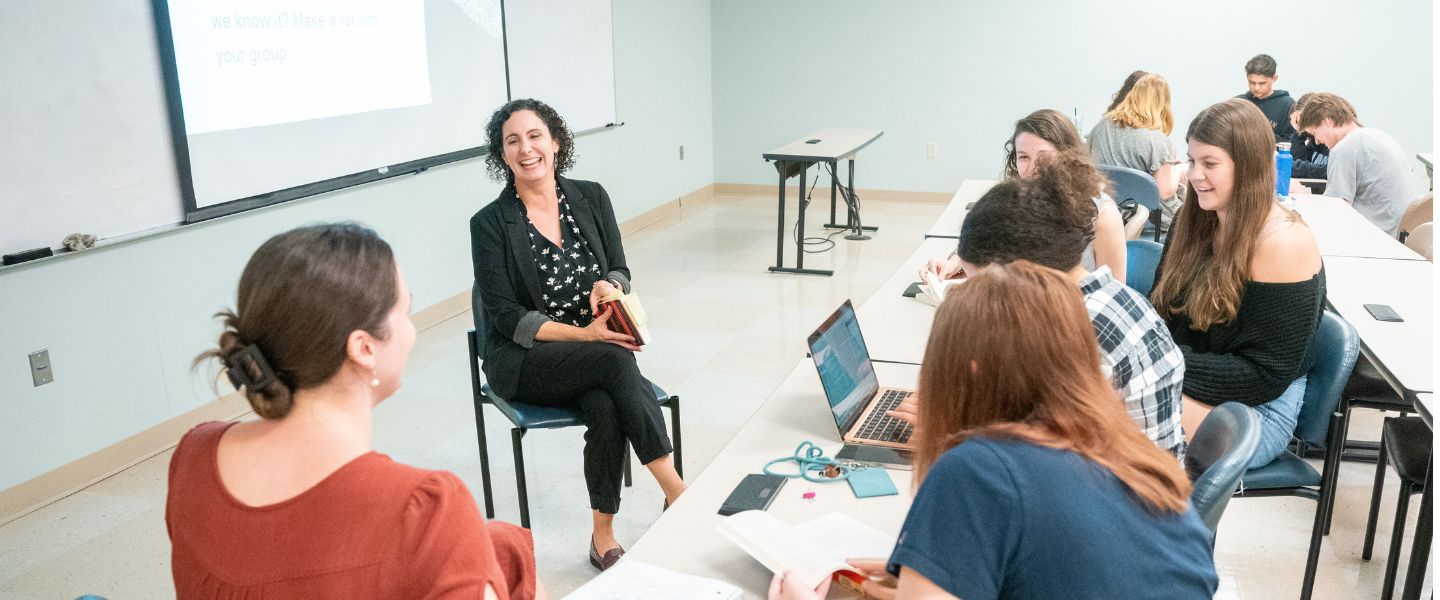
[
  {"x": 484, "y": 462},
  {"x": 1323, "y": 505},
  {"x": 1375, "y": 495},
  {"x": 628, "y": 480},
  {"x": 1397, "y": 539},
  {"x": 1420, "y": 551},
  {"x": 675, "y": 435},
  {"x": 516, "y": 435},
  {"x": 477, "y": 394}
]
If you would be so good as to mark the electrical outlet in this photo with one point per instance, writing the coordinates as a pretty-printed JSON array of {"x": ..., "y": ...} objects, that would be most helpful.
[
  {"x": 932, "y": 150},
  {"x": 682, "y": 151},
  {"x": 40, "y": 372}
]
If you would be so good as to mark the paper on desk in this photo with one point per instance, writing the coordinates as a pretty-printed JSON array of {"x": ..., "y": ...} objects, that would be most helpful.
[{"x": 634, "y": 580}]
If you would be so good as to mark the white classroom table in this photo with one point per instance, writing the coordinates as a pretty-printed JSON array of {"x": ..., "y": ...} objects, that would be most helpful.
[
  {"x": 948, "y": 225},
  {"x": 684, "y": 539},
  {"x": 897, "y": 328},
  {"x": 1341, "y": 231},
  {"x": 1403, "y": 352}
]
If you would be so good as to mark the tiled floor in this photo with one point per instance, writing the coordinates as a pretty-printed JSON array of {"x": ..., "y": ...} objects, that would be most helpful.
[{"x": 726, "y": 332}]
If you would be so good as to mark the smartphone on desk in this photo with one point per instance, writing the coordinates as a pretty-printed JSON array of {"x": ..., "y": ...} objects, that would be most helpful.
[{"x": 1383, "y": 312}]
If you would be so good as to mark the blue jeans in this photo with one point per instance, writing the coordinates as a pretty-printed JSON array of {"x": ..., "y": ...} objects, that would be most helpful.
[{"x": 1278, "y": 418}]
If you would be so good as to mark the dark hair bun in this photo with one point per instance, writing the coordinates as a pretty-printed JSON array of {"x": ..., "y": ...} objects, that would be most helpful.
[{"x": 268, "y": 394}]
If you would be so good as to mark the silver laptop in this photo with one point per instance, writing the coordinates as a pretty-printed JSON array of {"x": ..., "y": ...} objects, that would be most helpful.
[{"x": 856, "y": 399}]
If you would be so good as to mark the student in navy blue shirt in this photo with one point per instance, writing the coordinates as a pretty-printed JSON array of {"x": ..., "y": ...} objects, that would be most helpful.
[{"x": 1033, "y": 482}]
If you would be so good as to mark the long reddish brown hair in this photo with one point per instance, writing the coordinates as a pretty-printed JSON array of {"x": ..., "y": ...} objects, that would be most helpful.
[{"x": 1012, "y": 355}]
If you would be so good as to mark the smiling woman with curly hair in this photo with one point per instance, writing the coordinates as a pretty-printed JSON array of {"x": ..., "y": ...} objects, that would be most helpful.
[{"x": 547, "y": 251}]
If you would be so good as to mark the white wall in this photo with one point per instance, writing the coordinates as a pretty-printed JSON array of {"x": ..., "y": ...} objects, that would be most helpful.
[
  {"x": 961, "y": 73},
  {"x": 122, "y": 324}
]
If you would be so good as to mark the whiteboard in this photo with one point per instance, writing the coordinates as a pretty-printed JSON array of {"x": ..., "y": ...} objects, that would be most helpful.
[
  {"x": 561, "y": 52},
  {"x": 84, "y": 132},
  {"x": 85, "y": 138}
]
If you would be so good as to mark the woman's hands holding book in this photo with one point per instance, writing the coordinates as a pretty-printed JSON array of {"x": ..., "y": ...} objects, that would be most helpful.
[
  {"x": 599, "y": 331},
  {"x": 879, "y": 583},
  {"x": 603, "y": 289}
]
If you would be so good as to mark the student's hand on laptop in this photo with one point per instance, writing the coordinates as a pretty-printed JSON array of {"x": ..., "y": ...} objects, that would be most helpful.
[
  {"x": 907, "y": 411},
  {"x": 879, "y": 583},
  {"x": 785, "y": 587}
]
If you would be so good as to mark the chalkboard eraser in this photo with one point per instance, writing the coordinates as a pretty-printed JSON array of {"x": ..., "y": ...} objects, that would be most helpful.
[{"x": 28, "y": 255}]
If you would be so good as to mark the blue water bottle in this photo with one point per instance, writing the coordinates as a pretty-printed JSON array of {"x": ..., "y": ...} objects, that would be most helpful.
[{"x": 1283, "y": 163}]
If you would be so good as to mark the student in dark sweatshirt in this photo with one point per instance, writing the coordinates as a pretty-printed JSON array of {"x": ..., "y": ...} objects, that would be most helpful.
[
  {"x": 1276, "y": 104},
  {"x": 1311, "y": 156}
]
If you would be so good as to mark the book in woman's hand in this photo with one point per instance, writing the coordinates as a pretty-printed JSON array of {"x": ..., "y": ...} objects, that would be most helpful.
[{"x": 626, "y": 316}]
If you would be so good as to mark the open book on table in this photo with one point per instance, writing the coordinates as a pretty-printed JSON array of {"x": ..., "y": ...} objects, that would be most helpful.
[
  {"x": 933, "y": 289},
  {"x": 813, "y": 550}
]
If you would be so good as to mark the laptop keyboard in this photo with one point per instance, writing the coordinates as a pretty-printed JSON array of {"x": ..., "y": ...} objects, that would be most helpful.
[{"x": 885, "y": 428}]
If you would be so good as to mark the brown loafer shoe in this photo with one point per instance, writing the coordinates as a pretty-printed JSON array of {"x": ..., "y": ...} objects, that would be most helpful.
[{"x": 607, "y": 561}]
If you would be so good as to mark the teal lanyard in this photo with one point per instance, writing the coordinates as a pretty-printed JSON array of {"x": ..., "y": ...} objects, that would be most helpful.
[{"x": 810, "y": 463}]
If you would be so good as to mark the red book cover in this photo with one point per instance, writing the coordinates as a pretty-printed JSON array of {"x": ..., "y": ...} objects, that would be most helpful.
[{"x": 622, "y": 321}]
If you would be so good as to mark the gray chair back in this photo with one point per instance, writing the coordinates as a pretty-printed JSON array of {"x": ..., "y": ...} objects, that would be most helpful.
[
  {"x": 1131, "y": 184},
  {"x": 1217, "y": 456}
]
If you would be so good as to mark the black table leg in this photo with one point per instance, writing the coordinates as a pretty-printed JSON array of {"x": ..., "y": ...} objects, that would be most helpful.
[
  {"x": 799, "y": 234},
  {"x": 780, "y": 229}
]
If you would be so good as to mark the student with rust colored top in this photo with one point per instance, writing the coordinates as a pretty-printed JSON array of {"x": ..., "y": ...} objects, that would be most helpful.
[
  {"x": 1240, "y": 283},
  {"x": 297, "y": 504}
]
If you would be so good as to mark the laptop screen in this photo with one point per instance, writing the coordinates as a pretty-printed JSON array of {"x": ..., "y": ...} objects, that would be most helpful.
[{"x": 844, "y": 365}]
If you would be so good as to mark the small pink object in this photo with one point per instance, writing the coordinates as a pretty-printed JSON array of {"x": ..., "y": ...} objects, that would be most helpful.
[{"x": 809, "y": 496}]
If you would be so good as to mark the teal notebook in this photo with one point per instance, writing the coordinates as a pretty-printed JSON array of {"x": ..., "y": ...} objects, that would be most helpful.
[{"x": 868, "y": 483}]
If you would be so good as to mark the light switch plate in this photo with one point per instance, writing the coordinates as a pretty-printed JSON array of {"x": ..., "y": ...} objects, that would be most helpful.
[{"x": 40, "y": 371}]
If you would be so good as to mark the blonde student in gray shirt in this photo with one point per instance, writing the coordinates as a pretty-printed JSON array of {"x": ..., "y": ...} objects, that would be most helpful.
[
  {"x": 1367, "y": 167},
  {"x": 1136, "y": 134}
]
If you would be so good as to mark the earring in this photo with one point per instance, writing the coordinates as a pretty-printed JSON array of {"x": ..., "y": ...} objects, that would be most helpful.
[{"x": 374, "y": 379}]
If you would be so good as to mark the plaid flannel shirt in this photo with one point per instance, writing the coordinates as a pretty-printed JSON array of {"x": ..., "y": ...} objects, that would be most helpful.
[{"x": 1138, "y": 354}]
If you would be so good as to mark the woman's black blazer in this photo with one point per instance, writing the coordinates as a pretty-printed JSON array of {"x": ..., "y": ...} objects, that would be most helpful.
[{"x": 509, "y": 281}]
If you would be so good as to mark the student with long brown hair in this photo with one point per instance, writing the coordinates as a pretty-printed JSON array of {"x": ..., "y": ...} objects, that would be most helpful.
[
  {"x": 1045, "y": 133},
  {"x": 1241, "y": 283},
  {"x": 1031, "y": 478}
]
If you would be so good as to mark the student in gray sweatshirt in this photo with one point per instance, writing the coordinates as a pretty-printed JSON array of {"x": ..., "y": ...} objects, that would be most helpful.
[{"x": 1367, "y": 167}]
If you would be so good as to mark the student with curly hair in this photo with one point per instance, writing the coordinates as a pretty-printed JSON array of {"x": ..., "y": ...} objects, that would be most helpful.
[{"x": 1041, "y": 135}]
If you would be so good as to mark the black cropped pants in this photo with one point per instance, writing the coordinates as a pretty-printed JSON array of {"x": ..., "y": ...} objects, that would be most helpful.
[{"x": 616, "y": 402}]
